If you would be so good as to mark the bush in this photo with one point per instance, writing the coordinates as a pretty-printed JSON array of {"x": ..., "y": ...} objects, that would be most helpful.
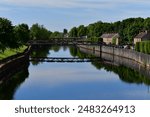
[
  {"x": 137, "y": 46},
  {"x": 114, "y": 41},
  {"x": 148, "y": 47},
  {"x": 94, "y": 39},
  {"x": 143, "y": 47}
]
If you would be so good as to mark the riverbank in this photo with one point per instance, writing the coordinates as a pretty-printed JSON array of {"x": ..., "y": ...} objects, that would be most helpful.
[
  {"x": 100, "y": 51},
  {"x": 11, "y": 64},
  {"x": 10, "y": 52}
]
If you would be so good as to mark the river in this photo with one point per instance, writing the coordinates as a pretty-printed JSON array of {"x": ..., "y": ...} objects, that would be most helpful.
[{"x": 74, "y": 80}]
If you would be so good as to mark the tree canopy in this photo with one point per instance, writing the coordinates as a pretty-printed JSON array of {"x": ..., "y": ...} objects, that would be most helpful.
[
  {"x": 22, "y": 34},
  {"x": 6, "y": 33},
  {"x": 39, "y": 32},
  {"x": 127, "y": 28},
  {"x": 14, "y": 36}
]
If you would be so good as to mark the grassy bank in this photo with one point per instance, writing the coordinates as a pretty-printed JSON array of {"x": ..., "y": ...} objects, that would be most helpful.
[{"x": 9, "y": 52}]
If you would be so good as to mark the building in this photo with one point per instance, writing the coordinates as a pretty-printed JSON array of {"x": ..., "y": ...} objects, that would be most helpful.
[
  {"x": 110, "y": 38},
  {"x": 66, "y": 35},
  {"x": 142, "y": 36},
  {"x": 84, "y": 37}
]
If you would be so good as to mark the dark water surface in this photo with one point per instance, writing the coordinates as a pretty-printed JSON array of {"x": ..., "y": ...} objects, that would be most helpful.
[{"x": 76, "y": 81}]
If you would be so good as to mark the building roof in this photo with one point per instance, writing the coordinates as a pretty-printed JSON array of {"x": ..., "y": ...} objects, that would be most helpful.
[
  {"x": 110, "y": 35},
  {"x": 143, "y": 35}
]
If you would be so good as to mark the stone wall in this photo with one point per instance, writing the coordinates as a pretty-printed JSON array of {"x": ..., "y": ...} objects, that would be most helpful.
[
  {"x": 12, "y": 64},
  {"x": 122, "y": 58},
  {"x": 143, "y": 59}
]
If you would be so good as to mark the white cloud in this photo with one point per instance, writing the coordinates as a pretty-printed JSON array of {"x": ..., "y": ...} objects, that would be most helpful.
[
  {"x": 73, "y": 3},
  {"x": 65, "y": 3}
]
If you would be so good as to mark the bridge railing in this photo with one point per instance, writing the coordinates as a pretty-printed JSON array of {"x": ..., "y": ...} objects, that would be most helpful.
[
  {"x": 64, "y": 59},
  {"x": 65, "y": 42}
]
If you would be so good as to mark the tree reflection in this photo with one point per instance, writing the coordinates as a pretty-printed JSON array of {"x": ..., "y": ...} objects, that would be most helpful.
[
  {"x": 39, "y": 51},
  {"x": 9, "y": 86},
  {"x": 125, "y": 73},
  {"x": 42, "y": 51}
]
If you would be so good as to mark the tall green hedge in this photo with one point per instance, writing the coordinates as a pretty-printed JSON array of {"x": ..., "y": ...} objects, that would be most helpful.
[
  {"x": 137, "y": 46},
  {"x": 143, "y": 47}
]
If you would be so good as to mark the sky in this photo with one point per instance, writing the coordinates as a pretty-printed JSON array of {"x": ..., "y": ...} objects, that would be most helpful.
[{"x": 56, "y": 15}]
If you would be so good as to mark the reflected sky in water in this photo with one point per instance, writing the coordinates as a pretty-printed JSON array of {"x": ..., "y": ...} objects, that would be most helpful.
[{"x": 76, "y": 81}]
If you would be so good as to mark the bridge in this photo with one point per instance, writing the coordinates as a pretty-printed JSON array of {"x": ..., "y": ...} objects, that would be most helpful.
[
  {"x": 63, "y": 59},
  {"x": 63, "y": 41}
]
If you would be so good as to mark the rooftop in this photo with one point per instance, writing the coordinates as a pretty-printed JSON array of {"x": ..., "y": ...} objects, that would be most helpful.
[
  {"x": 143, "y": 35},
  {"x": 110, "y": 35}
]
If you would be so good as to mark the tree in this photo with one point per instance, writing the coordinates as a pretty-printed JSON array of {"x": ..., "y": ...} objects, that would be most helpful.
[
  {"x": 133, "y": 30},
  {"x": 73, "y": 32},
  {"x": 39, "y": 32},
  {"x": 65, "y": 31},
  {"x": 22, "y": 33},
  {"x": 56, "y": 34},
  {"x": 147, "y": 24},
  {"x": 82, "y": 31},
  {"x": 90, "y": 30},
  {"x": 6, "y": 33}
]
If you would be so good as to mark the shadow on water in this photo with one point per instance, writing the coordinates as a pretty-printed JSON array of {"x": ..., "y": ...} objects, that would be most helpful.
[
  {"x": 10, "y": 84},
  {"x": 129, "y": 71}
]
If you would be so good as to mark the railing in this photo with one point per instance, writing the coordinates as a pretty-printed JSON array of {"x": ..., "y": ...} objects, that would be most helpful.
[
  {"x": 63, "y": 59},
  {"x": 63, "y": 42}
]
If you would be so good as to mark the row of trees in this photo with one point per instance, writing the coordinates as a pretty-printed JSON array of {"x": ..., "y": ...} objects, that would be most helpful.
[
  {"x": 127, "y": 29},
  {"x": 16, "y": 36},
  {"x": 12, "y": 36}
]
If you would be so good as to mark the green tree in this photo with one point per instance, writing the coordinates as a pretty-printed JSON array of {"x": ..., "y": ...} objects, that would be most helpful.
[
  {"x": 82, "y": 31},
  {"x": 133, "y": 30},
  {"x": 22, "y": 34},
  {"x": 39, "y": 32},
  {"x": 56, "y": 34},
  {"x": 6, "y": 34},
  {"x": 73, "y": 32},
  {"x": 65, "y": 31},
  {"x": 147, "y": 24}
]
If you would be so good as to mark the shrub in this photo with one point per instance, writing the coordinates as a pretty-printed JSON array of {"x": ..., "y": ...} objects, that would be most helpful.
[
  {"x": 137, "y": 46},
  {"x": 114, "y": 41},
  {"x": 143, "y": 47}
]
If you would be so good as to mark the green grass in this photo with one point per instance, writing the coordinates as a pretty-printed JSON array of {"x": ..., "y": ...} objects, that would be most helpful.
[{"x": 9, "y": 52}]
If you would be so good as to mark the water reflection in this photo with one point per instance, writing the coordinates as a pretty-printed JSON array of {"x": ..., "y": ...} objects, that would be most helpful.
[
  {"x": 128, "y": 70},
  {"x": 125, "y": 73},
  {"x": 9, "y": 86},
  {"x": 106, "y": 79}
]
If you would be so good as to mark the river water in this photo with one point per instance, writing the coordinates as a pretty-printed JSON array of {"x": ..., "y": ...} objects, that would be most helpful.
[{"x": 75, "y": 81}]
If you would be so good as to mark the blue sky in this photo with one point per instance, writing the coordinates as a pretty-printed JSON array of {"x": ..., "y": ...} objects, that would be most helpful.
[{"x": 60, "y": 14}]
